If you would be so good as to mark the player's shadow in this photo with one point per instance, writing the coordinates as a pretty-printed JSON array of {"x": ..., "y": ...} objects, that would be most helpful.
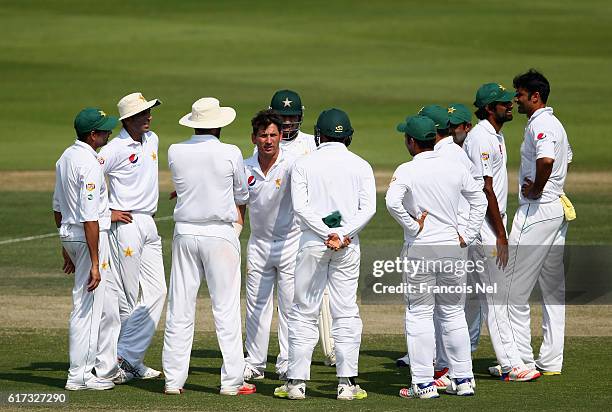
[
  {"x": 45, "y": 366},
  {"x": 388, "y": 357},
  {"x": 480, "y": 366},
  {"x": 29, "y": 378}
]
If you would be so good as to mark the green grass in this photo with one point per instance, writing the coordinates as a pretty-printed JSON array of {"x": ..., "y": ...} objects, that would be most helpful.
[
  {"x": 40, "y": 366},
  {"x": 380, "y": 61}
]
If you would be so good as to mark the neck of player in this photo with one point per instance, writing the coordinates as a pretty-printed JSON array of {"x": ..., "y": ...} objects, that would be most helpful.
[{"x": 266, "y": 160}]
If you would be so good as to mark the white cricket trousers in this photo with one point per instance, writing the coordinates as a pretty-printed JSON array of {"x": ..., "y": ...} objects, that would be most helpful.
[
  {"x": 537, "y": 241},
  {"x": 84, "y": 325},
  {"x": 495, "y": 305},
  {"x": 217, "y": 259},
  {"x": 449, "y": 307},
  {"x": 136, "y": 253},
  {"x": 269, "y": 262},
  {"x": 318, "y": 267}
]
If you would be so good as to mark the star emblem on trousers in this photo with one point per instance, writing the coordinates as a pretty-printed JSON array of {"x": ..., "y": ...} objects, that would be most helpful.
[
  {"x": 104, "y": 265},
  {"x": 287, "y": 102},
  {"x": 128, "y": 252}
]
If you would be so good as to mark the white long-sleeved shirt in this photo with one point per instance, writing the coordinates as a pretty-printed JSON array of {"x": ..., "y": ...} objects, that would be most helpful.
[
  {"x": 209, "y": 179},
  {"x": 271, "y": 215},
  {"x": 333, "y": 179},
  {"x": 434, "y": 184},
  {"x": 487, "y": 151},
  {"x": 447, "y": 148},
  {"x": 132, "y": 170},
  {"x": 545, "y": 137},
  {"x": 80, "y": 191}
]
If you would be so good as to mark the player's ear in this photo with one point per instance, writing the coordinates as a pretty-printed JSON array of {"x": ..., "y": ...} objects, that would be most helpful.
[{"x": 253, "y": 138}]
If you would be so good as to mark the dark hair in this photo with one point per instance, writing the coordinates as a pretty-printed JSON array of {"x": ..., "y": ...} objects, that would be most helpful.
[
  {"x": 482, "y": 113},
  {"x": 265, "y": 118},
  {"x": 443, "y": 132},
  {"x": 533, "y": 81},
  {"x": 424, "y": 144},
  {"x": 83, "y": 136}
]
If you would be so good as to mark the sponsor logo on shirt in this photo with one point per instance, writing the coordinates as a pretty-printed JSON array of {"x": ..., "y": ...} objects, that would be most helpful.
[
  {"x": 484, "y": 155},
  {"x": 251, "y": 181},
  {"x": 90, "y": 186},
  {"x": 133, "y": 158},
  {"x": 540, "y": 136}
]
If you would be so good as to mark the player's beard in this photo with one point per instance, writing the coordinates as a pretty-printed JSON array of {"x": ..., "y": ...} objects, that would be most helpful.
[{"x": 501, "y": 118}]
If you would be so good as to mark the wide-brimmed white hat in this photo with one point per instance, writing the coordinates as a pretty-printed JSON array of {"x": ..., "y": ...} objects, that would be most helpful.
[
  {"x": 134, "y": 103},
  {"x": 207, "y": 114}
]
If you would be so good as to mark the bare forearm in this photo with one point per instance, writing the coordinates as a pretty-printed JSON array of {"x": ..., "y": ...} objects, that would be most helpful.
[
  {"x": 241, "y": 213},
  {"x": 92, "y": 234},
  {"x": 543, "y": 171},
  {"x": 493, "y": 214}
]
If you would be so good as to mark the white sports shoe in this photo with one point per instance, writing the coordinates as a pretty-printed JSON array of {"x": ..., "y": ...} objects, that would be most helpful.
[
  {"x": 521, "y": 375},
  {"x": 251, "y": 373},
  {"x": 442, "y": 382},
  {"x": 94, "y": 383},
  {"x": 245, "y": 389},
  {"x": 121, "y": 377},
  {"x": 461, "y": 387},
  {"x": 495, "y": 371},
  {"x": 420, "y": 391},
  {"x": 173, "y": 391},
  {"x": 350, "y": 392},
  {"x": 140, "y": 372}
]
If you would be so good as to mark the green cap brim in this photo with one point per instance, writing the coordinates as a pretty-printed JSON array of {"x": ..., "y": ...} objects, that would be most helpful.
[
  {"x": 401, "y": 127},
  {"x": 109, "y": 124}
]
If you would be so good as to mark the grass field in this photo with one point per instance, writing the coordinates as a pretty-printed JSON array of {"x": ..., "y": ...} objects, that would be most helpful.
[{"x": 380, "y": 61}]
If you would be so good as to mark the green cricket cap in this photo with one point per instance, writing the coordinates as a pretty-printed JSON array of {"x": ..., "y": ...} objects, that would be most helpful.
[
  {"x": 334, "y": 123},
  {"x": 438, "y": 114},
  {"x": 287, "y": 103},
  {"x": 92, "y": 118},
  {"x": 418, "y": 127},
  {"x": 492, "y": 92},
  {"x": 459, "y": 113}
]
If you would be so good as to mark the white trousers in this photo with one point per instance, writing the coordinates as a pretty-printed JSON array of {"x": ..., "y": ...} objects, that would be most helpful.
[
  {"x": 474, "y": 306},
  {"x": 268, "y": 263},
  {"x": 421, "y": 303},
  {"x": 495, "y": 305},
  {"x": 136, "y": 253},
  {"x": 537, "y": 240},
  {"x": 87, "y": 307},
  {"x": 217, "y": 259},
  {"x": 318, "y": 267}
]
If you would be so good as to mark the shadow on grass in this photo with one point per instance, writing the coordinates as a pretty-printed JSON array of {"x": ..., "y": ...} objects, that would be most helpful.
[
  {"x": 30, "y": 378},
  {"x": 45, "y": 366}
]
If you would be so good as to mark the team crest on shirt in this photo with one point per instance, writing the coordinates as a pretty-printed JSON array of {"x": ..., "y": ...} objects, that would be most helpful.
[
  {"x": 541, "y": 136},
  {"x": 484, "y": 155},
  {"x": 90, "y": 186},
  {"x": 277, "y": 182},
  {"x": 154, "y": 156},
  {"x": 251, "y": 181},
  {"x": 133, "y": 158}
]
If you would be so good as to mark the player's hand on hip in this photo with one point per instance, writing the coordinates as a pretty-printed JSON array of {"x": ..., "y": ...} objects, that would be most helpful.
[
  {"x": 121, "y": 216},
  {"x": 68, "y": 266},
  {"x": 502, "y": 251},
  {"x": 421, "y": 221},
  {"x": 461, "y": 241},
  {"x": 94, "y": 278}
]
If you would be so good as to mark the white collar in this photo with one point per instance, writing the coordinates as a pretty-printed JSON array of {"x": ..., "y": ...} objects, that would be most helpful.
[
  {"x": 539, "y": 112},
  {"x": 87, "y": 147}
]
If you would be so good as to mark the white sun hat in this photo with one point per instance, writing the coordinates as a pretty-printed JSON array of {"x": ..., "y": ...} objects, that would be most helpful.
[
  {"x": 134, "y": 103},
  {"x": 207, "y": 114}
]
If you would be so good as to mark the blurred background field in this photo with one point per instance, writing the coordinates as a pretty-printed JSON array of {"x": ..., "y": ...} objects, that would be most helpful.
[{"x": 379, "y": 61}]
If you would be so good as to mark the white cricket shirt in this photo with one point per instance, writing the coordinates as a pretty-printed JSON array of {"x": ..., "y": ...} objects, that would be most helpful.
[
  {"x": 432, "y": 183},
  {"x": 487, "y": 151},
  {"x": 271, "y": 214},
  {"x": 544, "y": 137},
  {"x": 209, "y": 179},
  {"x": 80, "y": 191},
  {"x": 333, "y": 179},
  {"x": 132, "y": 172},
  {"x": 447, "y": 148}
]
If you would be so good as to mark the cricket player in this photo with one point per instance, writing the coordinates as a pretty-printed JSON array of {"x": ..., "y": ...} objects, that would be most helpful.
[
  {"x": 80, "y": 206},
  {"x": 415, "y": 193},
  {"x": 210, "y": 183},
  {"x": 273, "y": 244},
  {"x": 485, "y": 146},
  {"x": 130, "y": 163},
  {"x": 460, "y": 124},
  {"x": 289, "y": 105},
  {"x": 334, "y": 196},
  {"x": 540, "y": 225}
]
